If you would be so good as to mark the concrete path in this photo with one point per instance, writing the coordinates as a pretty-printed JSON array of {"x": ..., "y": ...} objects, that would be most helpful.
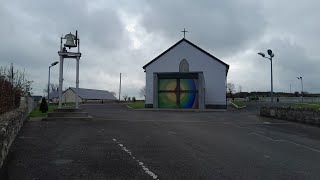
[{"x": 126, "y": 144}]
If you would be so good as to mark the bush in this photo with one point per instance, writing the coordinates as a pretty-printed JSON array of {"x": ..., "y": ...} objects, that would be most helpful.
[
  {"x": 7, "y": 96},
  {"x": 17, "y": 97},
  {"x": 43, "y": 106},
  {"x": 254, "y": 98},
  {"x": 13, "y": 85}
]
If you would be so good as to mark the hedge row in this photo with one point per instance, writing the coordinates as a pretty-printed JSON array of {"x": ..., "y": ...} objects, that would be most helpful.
[{"x": 9, "y": 96}]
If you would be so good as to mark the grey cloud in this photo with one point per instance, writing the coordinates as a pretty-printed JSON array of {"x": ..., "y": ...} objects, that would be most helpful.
[
  {"x": 222, "y": 26},
  {"x": 31, "y": 33}
]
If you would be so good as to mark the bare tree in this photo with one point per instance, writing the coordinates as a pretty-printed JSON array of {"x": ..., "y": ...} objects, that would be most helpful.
[
  {"x": 17, "y": 78},
  {"x": 125, "y": 97},
  {"x": 52, "y": 87},
  {"x": 231, "y": 89},
  {"x": 240, "y": 88},
  {"x": 142, "y": 91}
]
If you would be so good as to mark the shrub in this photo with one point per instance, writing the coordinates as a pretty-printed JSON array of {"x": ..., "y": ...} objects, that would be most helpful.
[
  {"x": 17, "y": 96},
  {"x": 13, "y": 85},
  {"x": 7, "y": 101},
  {"x": 43, "y": 106}
]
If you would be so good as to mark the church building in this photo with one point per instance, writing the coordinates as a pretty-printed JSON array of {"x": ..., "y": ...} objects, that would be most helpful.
[{"x": 186, "y": 76}]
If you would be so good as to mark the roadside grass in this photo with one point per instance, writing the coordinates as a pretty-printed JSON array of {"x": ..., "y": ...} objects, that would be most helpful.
[
  {"x": 38, "y": 113},
  {"x": 137, "y": 105},
  {"x": 238, "y": 104},
  {"x": 311, "y": 106}
]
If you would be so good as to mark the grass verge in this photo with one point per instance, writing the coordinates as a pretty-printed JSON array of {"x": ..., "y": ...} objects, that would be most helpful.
[
  {"x": 38, "y": 113},
  {"x": 238, "y": 104},
  {"x": 136, "y": 105},
  {"x": 311, "y": 106}
]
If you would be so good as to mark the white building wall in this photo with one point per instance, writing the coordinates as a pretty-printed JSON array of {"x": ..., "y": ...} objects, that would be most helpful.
[
  {"x": 69, "y": 96},
  {"x": 214, "y": 72}
]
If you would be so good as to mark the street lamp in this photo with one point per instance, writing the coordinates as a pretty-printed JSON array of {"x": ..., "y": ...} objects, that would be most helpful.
[
  {"x": 53, "y": 64},
  {"x": 301, "y": 88},
  {"x": 271, "y": 55}
]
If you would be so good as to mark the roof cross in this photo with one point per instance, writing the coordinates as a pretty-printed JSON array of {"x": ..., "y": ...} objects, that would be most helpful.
[{"x": 184, "y": 32}]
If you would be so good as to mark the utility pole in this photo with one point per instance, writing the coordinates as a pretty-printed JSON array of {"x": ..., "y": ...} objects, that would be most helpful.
[
  {"x": 300, "y": 78},
  {"x": 120, "y": 88},
  {"x": 290, "y": 88}
]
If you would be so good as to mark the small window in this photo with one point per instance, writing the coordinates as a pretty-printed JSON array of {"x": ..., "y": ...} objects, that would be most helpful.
[{"x": 184, "y": 66}]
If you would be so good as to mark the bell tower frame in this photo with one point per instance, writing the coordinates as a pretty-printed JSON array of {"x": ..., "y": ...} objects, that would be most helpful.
[{"x": 71, "y": 42}]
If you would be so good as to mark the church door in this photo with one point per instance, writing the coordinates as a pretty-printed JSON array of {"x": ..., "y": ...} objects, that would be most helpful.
[{"x": 178, "y": 93}]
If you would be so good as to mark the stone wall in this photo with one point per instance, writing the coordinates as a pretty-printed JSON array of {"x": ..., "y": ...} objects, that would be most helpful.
[
  {"x": 292, "y": 114},
  {"x": 31, "y": 104},
  {"x": 10, "y": 124}
]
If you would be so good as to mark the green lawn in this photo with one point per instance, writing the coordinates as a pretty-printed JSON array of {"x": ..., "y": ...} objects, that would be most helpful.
[
  {"x": 239, "y": 104},
  {"x": 38, "y": 113},
  {"x": 137, "y": 105},
  {"x": 311, "y": 106}
]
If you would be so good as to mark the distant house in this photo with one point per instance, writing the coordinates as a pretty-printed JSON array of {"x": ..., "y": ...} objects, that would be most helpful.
[
  {"x": 53, "y": 96},
  {"x": 87, "y": 95},
  {"x": 37, "y": 99}
]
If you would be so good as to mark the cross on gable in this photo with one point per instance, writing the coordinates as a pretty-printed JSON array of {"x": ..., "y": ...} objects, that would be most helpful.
[{"x": 184, "y": 32}]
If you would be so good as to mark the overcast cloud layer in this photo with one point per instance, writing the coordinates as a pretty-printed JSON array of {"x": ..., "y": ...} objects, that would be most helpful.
[{"x": 121, "y": 36}]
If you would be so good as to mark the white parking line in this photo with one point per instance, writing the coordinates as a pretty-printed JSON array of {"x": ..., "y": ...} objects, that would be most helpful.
[
  {"x": 146, "y": 170},
  {"x": 271, "y": 139},
  {"x": 243, "y": 127},
  {"x": 290, "y": 142}
]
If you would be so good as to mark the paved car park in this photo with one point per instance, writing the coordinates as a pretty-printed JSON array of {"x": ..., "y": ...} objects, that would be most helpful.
[{"x": 132, "y": 144}]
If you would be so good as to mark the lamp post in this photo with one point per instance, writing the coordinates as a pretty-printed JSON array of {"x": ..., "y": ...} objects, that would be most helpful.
[
  {"x": 301, "y": 88},
  {"x": 53, "y": 64},
  {"x": 271, "y": 55}
]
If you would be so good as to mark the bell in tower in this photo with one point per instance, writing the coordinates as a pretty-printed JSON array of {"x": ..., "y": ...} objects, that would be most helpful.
[{"x": 70, "y": 41}]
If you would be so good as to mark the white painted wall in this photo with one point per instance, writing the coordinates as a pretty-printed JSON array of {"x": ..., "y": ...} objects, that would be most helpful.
[
  {"x": 69, "y": 96},
  {"x": 214, "y": 72}
]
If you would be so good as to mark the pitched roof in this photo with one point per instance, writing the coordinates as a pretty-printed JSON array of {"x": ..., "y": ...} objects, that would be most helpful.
[
  {"x": 53, "y": 95},
  {"x": 93, "y": 94},
  {"x": 185, "y": 40},
  {"x": 36, "y": 98}
]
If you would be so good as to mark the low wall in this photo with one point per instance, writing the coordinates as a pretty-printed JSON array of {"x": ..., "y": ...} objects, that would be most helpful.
[
  {"x": 10, "y": 124},
  {"x": 31, "y": 104},
  {"x": 292, "y": 114}
]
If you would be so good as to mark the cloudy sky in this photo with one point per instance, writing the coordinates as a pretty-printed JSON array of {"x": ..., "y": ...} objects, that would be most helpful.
[{"x": 120, "y": 36}]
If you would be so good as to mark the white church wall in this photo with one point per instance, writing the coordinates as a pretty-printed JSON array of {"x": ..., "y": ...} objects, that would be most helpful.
[{"x": 214, "y": 72}]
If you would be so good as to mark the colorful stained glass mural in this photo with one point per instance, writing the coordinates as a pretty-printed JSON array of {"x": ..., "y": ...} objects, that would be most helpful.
[
  {"x": 178, "y": 93},
  {"x": 167, "y": 100},
  {"x": 167, "y": 84},
  {"x": 189, "y": 100},
  {"x": 188, "y": 84}
]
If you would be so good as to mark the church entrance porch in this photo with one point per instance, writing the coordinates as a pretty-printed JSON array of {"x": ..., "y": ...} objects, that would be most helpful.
[{"x": 179, "y": 90}]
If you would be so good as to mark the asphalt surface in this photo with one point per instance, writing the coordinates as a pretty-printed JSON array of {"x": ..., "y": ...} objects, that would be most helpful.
[{"x": 127, "y": 144}]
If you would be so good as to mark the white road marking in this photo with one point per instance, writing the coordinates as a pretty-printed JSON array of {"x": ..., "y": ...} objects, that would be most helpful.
[
  {"x": 290, "y": 142},
  {"x": 243, "y": 127},
  {"x": 271, "y": 139},
  {"x": 171, "y": 132},
  {"x": 27, "y": 137},
  {"x": 266, "y": 156},
  {"x": 146, "y": 170}
]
